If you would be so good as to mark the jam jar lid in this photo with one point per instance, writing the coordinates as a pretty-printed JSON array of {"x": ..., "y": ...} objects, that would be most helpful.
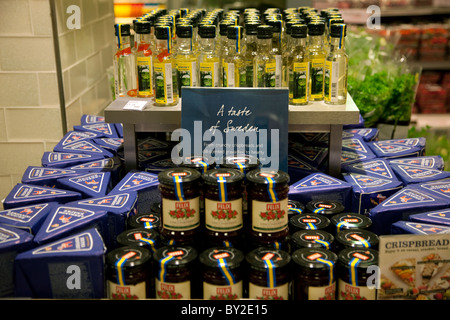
[
  {"x": 350, "y": 220},
  {"x": 133, "y": 237},
  {"x": 232, "y": 256},
  {"x": 306, "y": 221},
  {"x": 325, "y": 207},
  {"x": 187, "y": 175},
  {"x": 134, "y": 256},
  {"x": 259, "y": 176},
  {"x": 314, "y": 258},
  {"x": 357, "y": 238},
  {"x": 257, "y": 258},
  {"x": 181, "y": 255},
  {"x": 295, "y": 207},
  {"x": 197, "y": 162},
  {"x": 312, "y": 239},
  {"x": 144, "y": 220},
  {"x": 366, "y": 257},
  {"x": 231, "y": 176},
  {"x": 156, "y": 207},
  {"x": 242, "y": 163}
]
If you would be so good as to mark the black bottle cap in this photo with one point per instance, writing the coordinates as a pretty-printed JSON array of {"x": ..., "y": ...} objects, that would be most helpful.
[
  {"x": 299, "y": 31},
  {"x": 338, "y": 29},
  {"x": 142, "y": 27},
  {"x": 135, "y": 256},
  {"x": 231, "y": 176},
  {"x": 233, "y": 31},
  {"x": 207, "y": 31},
  {"x": 251, "y": 26},
  {"x": 124, "y": 29},
  {"x": 276, "y": 24},
  {"x": 187, "y": 175},
  {"x": 182, "y": 255},
  {"x": 312, "y": 239},
  {"x": 257, "y": 258},
  {"x": 314, "y": 258},
  {"x": 184, "y": 31},
  {"x": 223, "y": 27},
  {"x": 162, "y": 32},
  {"x": 232, "y": 256},
  {"x": 264, "y": 31},
  {"x": 316, "y": 28},
  {"x": 259, "y": 176},
  {"x": 151, "y": 18}
]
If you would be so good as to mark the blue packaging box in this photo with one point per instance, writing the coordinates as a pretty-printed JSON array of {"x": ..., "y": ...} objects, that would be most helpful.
[
  {"x": 47, "y": 271},
  {"x": 320, "y": 186},
  {"x": 366, "y": 134},
  {"x": 65, "y": 220},
  {"x": 405, "y": 227},
  {"x": 119, "y": 129},
  {"x": 149, "y": 156},
  {"x": 47, "y": 177},
  {"x": 155, "y": 167},
  {"x": 399, "y": 206},
  {"x": 113, "y": 165},
  {"x": 398, "y": 148},
  {"x": 151, "y": 143},
  {"x": 111, "y": 144},
  {"x": 28, "y": 194},
  {"x": 313, "y": 155},
  {"x": 378, "y": 168},
  {"x": 416, "y": 174},
  {"x": 298, "y": 169},
  {"x": 349, "y": 156},
  {"x": 433, "y": 162},
  {"x": 28, "y": 218},
  {"x": 370, "y": 191},
  {"x": 441, "y": 217},
  {"x": 90, "y": 185},
  {"x": 440, "y": 188},
  {"x": 105, "y": 130},
  {"x": 76, "y": 136},
  {"x": 91, "y": 119},
  {"x": 87, "y": 146},
  {"x": 66, "y": 159},
  {"x": 12, "y": 242}
]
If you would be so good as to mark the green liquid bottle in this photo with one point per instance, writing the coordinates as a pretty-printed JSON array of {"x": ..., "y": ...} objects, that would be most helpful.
[
  {"x": 186, "y": 61},
  {"x": 144, "y": 63},
  {"x": 298, "y": 66},
  {"x": 264, "y": 65},
  {"x": 277, "y": 27},
  {"x": 124, "y": 63},
  {"x": 208, "y": 62},
  {"x": 233, "y": 66},
  {"x": 316, "y": 55},
  {"x": 250, "y": 49}
]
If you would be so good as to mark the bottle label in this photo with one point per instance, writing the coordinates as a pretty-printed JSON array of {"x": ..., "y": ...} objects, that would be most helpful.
[
  {"x": 316, "y": 79},
  {"x": 249, "y": 75},
  {"x": 223, "y": 216},
  {"x": 300, "y": 82},
  {"x": 172, "y": 291},
  {"x": 181, "y": 215},
  {"x": 331, "y": 81},
  {"x": 350, "y": 292},
  {"x": 228, "y": 75},
  {"x": 278, "y": 71},
  {"x": 209, "y": 74},
  {"x": 265, "y": 293},
  {"x": 227, "y": 292},
  {"x": 270, "y": 75},
  {"x": 322, "y": 293},
  {"x": 127, "y": 292},
  {"x": 144, "y": 70},
  {"x": 268, "y": 217},
  {"x": 163, "y": 83},
  {"x": 187, "y": 76}
]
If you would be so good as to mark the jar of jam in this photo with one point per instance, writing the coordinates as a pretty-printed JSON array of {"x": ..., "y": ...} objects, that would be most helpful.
[
  {"x": 345, "y": 221},
  {"x": 306, "y": 221},
  {"x": 200, "y": 163},
  {"x": 144, "y": 220},
  {"x": 174, "y": 268},
  {"x": 326, "y": 207},
  {"x": 222, "y": 273},
  {"x": 268, "y": 205},
  {"x": 140, "y": 237},
  {"x": 268, "y": 274},
  {"x": 312, "y": 239},
  {"x": 180, "y": 203},
  {"x": 223, "y": 203},
  {"x": 314, "y": 274},
  {"x": 128, "y": 273},
  {"x": 353, "y": 273},
  {"x": 356, "y": 238}
]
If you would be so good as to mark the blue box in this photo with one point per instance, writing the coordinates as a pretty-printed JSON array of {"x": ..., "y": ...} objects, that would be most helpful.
[
  {"x": 433, "y": 162},
  {"x": 398, "y": 148},
  {"x": 320, "y": 186},
  {"x": 366, "y": 134},
  {"x": 299, "y": 169},
  {"x": 416, "y": 174},
  {"x": 405, "y": 227},
  {"x": 28, "y": 218},
  {"x": 91, "y": 119},
  {"x": 86, "y": 146},
  {"x": 90, "y": 185},
  {"x": 378, "y": 168},
  {"x": 313, "y": 155},
  {"x": 76, "y": 136},
  {"x": 352, "y": 156},
  {"x": 28, "y": 194},
  {"x": 106, "y": 130},
  {"x": 441, "y": 217},
  {"x": 440, "y": 188},
  {"x": 111, "y": 144},
  {"x": 44, "y": 272},
  {"x": 66, "y": 159},
  {"x": 113, "y": 165},
  {"x": 47, "y": 177}
]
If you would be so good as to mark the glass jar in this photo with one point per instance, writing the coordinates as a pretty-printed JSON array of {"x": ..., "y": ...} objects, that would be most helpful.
[
  {"x": 222, "y": 273},
  {"x": 356, "y": 238},
  {"x": 306, "y": 221},
  {"x": 128, "y": 272},
  {"x": 174, "y": 268},
  {"x": 268, "y": 205},
  {"x": 140, "y": 237},
  {"x": 295, "y": 207},
  {"x": 312, "y": 239},
  {"x": 345, "y": 221},
  {"x": 352, "y": 271},
  {"x": 180, "y": 204},
  {"x": 223, "y": 204},
  {"x": 328, "y": 208},
  {"x": 200, "y": 163},
  {"x": 268, "y": 274},
  {"x": 144, "y": 220},
  {"x": 314, "y": 274}
]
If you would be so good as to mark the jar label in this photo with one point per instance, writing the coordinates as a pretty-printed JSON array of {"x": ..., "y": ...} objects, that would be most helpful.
[
  {"x": 163, "y": 82},
  {"x": 228, "y": 74},
  {"x": 187, "y": 73},
  {"x": 223, "y": 216},
  {"x": 331, "y": 81},
  {"x": 270, "y": 75},
  {"x": 181, "y": 215},
  {"x": 300, "y": 82},
  {"x": 172, "y": 291},
  {"x": 265, "y": 293},
  {"x": 349, "y": 292},
  {"x": 322, "y": 293},
  {"x": 209, "y": 74},
  {"x": 144, "y": 71},
  {"x": 228, "y": 292},
  {"x": 316, "y": 78},
  {"x": 127, "y": 292},
  {"x": 269, "y": 216}
]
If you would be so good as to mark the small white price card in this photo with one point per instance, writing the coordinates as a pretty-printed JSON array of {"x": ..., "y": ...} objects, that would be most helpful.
[{"x": 135, "y": 105}]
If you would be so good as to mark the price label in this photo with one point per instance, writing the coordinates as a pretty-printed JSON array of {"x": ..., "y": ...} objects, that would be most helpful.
[{"x": 135, "y": 105}]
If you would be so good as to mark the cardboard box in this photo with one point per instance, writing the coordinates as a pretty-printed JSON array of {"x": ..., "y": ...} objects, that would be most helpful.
[
  {"x": 47, "y": 177},
  {"x": 86, "y": 146},
  {"x": 441, "y": 217},
  {"x": 410, "y": 174},
  {"x": 378, "y": 168},
  {"x": 398, "y": 148},
  {"x": 404, "y": 227},
  {"x": 65, "y": 159},
  {"x": 106, "y": 130},
  {"x": 90, "y": 185},
  {"x": 432, "y": 162}
]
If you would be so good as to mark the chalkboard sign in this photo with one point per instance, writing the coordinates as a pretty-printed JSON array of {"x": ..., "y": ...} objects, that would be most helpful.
[{"x": 221, "y": 122}]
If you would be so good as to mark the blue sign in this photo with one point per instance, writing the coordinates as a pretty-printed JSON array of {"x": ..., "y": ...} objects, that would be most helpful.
[{"x": 221, "y": 122}]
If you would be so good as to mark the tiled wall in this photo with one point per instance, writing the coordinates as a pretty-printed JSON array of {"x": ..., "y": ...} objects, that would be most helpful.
[{"x": 30, "y": 117}]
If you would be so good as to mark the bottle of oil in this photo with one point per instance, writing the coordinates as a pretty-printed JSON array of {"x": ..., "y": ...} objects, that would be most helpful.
[
  {"x": 298, "y": 70},
  {"x": 233, "y": 66},
  {"x": 124, "y": 63},
  {"x": 186, "y": 61},
  {"x": 316, "y": 55},
  {"x": 144, "y": 64},
  {"x": 250, "y": 49},
  {"x": 277, "y": 28},
  {"x": 208, "y": 61},
  {"x": 164, "y": 69},
  {"x": 336, "y": 66},
  {"x": 264, "y": 64}
]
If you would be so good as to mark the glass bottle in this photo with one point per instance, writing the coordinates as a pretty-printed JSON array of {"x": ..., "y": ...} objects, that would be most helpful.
[
  {"x": 124, "y": 63},
  {"x": 336, "y": 67},
  {"x": 277, "y": 26},
  {"x": 250, "y": 50},
  {"x": 144, "y": 65},
  {"x": 186, "y": 61},
  {"x": 264, "y": 64},
  {"x": 164, "y": 69},
  {"x": 233, "y": 67},
  {"x": 316, "y": 55},
  {"x": 208, "y": 61},
  {"x": 298, "y": 66}
]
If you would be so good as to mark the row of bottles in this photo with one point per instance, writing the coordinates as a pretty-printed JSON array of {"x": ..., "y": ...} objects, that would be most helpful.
[{"x": 297, "y": 48}]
